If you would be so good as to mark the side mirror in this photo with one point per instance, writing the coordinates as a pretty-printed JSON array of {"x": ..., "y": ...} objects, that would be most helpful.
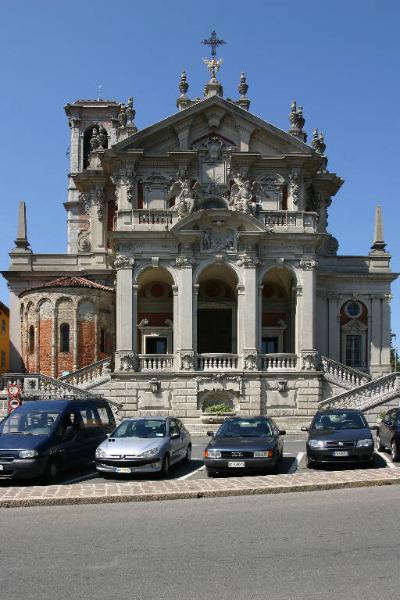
[
  {"x": 282, "y": 432},
  {"x": 174, "y": 435},
  {"x": 374, "y": 427},
  {"x": 210, "y": 433},
  {"x": 305, "y": 429}
]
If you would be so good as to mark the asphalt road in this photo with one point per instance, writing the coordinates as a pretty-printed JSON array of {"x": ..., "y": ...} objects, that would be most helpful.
[{"x": 338, "y": 544}]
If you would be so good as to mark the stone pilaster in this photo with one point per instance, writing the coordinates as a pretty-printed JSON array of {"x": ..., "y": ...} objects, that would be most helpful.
[
  {"x": 249, "y": 315},
  {"x": 184, "y": 323},
  {"x": 308, "y": 314},
  {"x": 126, "y": 306},
  {"x": 334, "y": 326}
]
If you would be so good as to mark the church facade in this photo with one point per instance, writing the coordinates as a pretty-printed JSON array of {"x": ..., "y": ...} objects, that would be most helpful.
[{"x": 200, "y": 265}]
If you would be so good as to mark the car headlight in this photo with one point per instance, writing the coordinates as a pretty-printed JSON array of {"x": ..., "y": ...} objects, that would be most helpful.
[
  {"x": 28, "y": 453},
  {"x": 100, "y": 453},
  {"x": 212, "y": 454},
  {"x": 317, "y": 444},
  {"x": 151, "y": 452},
  {"x": 365, "y": 443},
  {"x": 263, "y": 454}
]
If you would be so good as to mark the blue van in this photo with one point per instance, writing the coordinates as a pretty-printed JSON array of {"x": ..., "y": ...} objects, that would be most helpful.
[{"x": 41, "y": 438}]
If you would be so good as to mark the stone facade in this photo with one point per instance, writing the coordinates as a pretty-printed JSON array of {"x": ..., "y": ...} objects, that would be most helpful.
[{"x": 211, "y": 227}]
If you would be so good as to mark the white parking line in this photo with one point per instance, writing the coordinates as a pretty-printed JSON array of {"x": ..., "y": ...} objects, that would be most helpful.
[
  {"x": 191, "y": 473},
  {"x": 80, "y": 478},
  {"x": 295, "y": 465},
  {"x": 387, "y": 460}
]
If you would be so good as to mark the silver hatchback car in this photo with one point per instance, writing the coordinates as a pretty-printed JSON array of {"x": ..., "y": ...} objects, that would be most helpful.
[{"x": 144, "y": 445}]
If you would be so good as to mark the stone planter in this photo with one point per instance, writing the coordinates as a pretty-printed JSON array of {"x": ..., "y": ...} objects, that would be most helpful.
[{"x": 216, "y": 418}]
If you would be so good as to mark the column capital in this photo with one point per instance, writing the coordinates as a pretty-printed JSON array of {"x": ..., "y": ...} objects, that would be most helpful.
[{"x": 123, "y": 262}]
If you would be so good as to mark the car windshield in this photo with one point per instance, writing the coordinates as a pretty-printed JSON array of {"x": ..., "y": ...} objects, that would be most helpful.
[
  {"x": 141, "y": 428},
  {"x": 339, "y": 420},
  {"x": 253, "y": 428},
  {"x": 30, "y": 422}
]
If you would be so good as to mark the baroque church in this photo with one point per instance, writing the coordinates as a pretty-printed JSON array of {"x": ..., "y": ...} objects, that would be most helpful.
[{"x": 199, "y": 267}]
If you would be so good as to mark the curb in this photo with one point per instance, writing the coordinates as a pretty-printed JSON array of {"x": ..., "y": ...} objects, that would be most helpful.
[{"x": 132, "y": 492}]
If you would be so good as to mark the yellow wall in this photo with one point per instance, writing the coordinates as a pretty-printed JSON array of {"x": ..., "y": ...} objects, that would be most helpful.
[{"x": 4, "y": 339}]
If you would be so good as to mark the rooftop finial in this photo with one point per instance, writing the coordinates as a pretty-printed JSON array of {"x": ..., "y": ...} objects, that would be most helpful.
[
  {"x": 21, "y": 243},
  {"x": 213, "y": 87},
  {"x": 243, "y": 87},
  {"x": 183, "y": 101},
  {"x": 297, "y": 121},
  {"x": 378, "y": 243},
  {"x": 318, "y": 142},
  {"x": 126, "y": 117}
]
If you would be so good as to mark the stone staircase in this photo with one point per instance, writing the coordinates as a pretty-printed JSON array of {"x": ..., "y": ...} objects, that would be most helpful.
[
  {"x": 36, "y": 386},
  {"x": 341, "y": 375},
  {"x": 91, "y": 376},
  {"x": 370, "y": 397}
]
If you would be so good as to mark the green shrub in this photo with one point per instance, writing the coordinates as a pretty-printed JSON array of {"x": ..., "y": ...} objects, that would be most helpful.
[
  {"x": 218, "y": 408},
  {"x": 382, "y": 413}
]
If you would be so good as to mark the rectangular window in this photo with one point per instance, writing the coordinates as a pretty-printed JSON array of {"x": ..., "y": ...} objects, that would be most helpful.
[
  {"x": 354, "y": 350},
  {"x": 3, "y": 326},
  {"x": 102, "y": 340},
  {"x": 270, "y": 345},
  {"x": 156, "y": 345}
]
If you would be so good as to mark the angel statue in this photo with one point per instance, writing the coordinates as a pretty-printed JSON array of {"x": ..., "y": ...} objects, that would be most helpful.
[
  {"x": 243, "y": 195},
  {"x": 185, "y": 195}
]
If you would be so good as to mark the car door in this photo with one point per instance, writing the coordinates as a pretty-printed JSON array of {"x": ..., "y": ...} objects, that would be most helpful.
[
  {"x": 185, "y": 438},
  {"x": 175, "y": 441},
  {"x": 67, "y": 448}
]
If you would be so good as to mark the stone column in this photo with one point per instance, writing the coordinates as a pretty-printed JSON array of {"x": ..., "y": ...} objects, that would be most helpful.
[
  {"x": 334, "y": 327},
  {"x": 184, "y": 321},
  {"x": 241, "y": 310},
  {"x": 249, "y": 316},
  {"x": 126, "y": 306},
  {"x": 97, "y": 217},
  {"x": 260, "y": 317},
  {"x": 75, "y": 338},
  {"x": 54, "y": 344},
  {"x": 194, "y": 315},
  {"x": 308, "y": 315},
  {"x": 386, "y": 368},
  {"x": 376, "y": 335}
]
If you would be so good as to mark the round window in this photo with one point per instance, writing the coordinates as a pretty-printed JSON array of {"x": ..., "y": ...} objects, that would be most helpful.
[{"x": 353, "y": 309}]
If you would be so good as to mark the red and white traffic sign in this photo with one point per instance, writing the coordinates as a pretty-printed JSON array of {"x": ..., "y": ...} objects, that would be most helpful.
[
  {"x": 13, "y": 390},
  {"x": 13, "y": 404}
]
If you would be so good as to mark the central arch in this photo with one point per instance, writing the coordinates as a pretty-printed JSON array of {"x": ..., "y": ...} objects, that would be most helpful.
[{"x": 217, "y": 310}]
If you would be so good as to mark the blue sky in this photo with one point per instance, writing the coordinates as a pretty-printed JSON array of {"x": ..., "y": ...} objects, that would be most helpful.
[{"x": 339, "y": 59}]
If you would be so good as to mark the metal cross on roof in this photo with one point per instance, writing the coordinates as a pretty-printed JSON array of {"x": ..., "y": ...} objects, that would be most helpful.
[{"x": 214, "y": 42}]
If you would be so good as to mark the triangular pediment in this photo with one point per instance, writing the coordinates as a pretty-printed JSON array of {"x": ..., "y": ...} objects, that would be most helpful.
[
  {"x": 217, "y": 116},
  {"x": 219, "y": 218}
]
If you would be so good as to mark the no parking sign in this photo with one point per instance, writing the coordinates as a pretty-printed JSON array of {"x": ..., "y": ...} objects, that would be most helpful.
[{"x": 14, "y": 393}]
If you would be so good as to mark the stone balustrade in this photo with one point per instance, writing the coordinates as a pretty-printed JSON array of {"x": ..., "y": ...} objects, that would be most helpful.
[
  {"x": 156, "y": 362},
  {"x": 154, "y": 217},
  {"x": 368, "y": 395},
  {"x": 279, "y": 220},
  {"x": 279, "y": 362},
  {"x": 217, "y": 362},
  {"x": 90, "y": 375},
  {"x": 342, "y": 375}
]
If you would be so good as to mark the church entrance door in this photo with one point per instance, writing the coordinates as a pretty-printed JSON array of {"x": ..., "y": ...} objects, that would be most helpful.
[{"x": 214, "y": 330}]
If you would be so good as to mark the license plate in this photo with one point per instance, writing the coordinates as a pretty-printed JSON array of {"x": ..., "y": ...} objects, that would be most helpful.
[
  {"x": 122, "y": 470},
  {"x": 341, "y": 453},
  {"x": 1, "y": 467},
  {"x": 236, "y": 463}
]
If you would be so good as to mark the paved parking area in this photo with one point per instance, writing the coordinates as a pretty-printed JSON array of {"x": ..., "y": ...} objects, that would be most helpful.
[{"x": 293, "y": 462}]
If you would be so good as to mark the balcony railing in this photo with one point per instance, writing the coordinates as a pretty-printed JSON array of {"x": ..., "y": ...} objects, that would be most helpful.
[
  {"x": 279, "y": 362},
  {"x": 217, "y": 362},
  {"x": 156, "y": 362},
  {"x": 289, "y": 220}
]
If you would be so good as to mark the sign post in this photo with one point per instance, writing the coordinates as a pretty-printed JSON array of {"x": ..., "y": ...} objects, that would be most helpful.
[{"x": 14, "y": 395}]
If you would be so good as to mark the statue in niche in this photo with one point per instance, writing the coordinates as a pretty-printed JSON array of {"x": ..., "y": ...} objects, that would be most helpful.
[
  {"x": 214, "y": 146},
  {"x": 243, "y": 195},
  {"x": 186, "y": 195}
]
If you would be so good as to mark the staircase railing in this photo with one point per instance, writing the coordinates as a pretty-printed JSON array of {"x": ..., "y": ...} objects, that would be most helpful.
[
  {"x": 36, "y": 386},
  {"x": 345, "y": 376},
  {"x": 90, "y": 375},
  {"x": 368, "y": 395}
]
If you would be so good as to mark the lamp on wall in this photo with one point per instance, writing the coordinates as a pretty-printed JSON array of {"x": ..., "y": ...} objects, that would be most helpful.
[{"x": 155, "y": 385}]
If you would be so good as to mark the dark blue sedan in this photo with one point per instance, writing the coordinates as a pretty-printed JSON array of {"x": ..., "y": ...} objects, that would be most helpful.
[{"x": 244, "y": 444}]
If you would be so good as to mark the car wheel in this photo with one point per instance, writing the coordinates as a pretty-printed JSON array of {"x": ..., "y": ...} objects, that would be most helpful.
[
  {"x": 394, "y": 452},
  {"x": 211, "y": 473},
  {"x": 310, "y": 464},
  {"x": 165, "y": 466},
  {"x": 188, "y": 456},
  {"x": 379, "y": 444},
  {"x": 52, "y": 472}
]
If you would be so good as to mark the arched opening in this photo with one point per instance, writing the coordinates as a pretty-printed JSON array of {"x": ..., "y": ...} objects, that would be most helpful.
[
  {"x": 101, "y": 135},
  {"x": 31, "y": 340},
  {"x": 64, "y": 337},
  {"x": 278, "y": 308},
  {"x": 217, "y": 310},
  {"x": 155, "y": 312}
]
